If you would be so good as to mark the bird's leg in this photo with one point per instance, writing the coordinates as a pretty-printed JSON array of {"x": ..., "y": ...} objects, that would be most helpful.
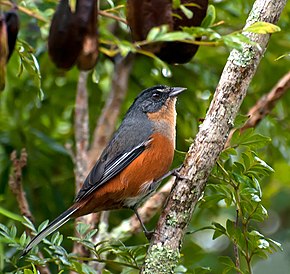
[
  {"x": 147, "y": 233},
  {"x": 174, "y": 172}
]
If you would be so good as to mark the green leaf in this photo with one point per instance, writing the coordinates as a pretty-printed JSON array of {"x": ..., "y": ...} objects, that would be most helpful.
[
  {"x": 231, "y": 229},
  {"x": 199, "y": 32},
  {"x": 219, "y": 227},
  {"x": 201, "y": 270},
  {"x": 22, "y": 240},
  {"x": 226, "y": 261},
  {"x": 264, "y": 164},
  {"x": 175, "y": 4},
  {"x": 262, "y": 28},
  {"x": 217, "y": 234},
  {"x": 42, "y": 225},
  {"x": 209, "y": 18},
  {"x": 30, "y": 63},
  {"x": 240, "y": 120},
  {"x": 11, "y": 215},
  {"x": 155, "y": 32},
  {"x": 29, "y": 224},
  {"x": 250, "y": 139},
  {"x": 56, "y": 238},
  {"x": 187, "y": 12},
  {"x": 236, "y": 41},
  {"x": 28, "y": 271},
  {"x": 173, "y": 36}
]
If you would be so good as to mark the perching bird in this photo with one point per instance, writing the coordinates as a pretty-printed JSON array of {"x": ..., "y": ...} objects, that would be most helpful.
[{"x": 131, "y": 166}]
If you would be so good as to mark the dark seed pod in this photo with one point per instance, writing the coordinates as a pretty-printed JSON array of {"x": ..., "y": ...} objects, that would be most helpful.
[
  {"x": 142, "y": 15},
  {"x": 86, "y": 13},
  {"x": 3, "y": 51},
  {"x": 12, "y": 26},
  {"x": 178, "y": 52},
  {"x": 65, "y": 37}
]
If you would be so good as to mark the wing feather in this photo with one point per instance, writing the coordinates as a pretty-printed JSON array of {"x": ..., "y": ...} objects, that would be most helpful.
[{"x": 110, "y": 170}]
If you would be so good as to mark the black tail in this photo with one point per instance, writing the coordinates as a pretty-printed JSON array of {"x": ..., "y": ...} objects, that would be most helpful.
[{"x": 54, "y": 225}]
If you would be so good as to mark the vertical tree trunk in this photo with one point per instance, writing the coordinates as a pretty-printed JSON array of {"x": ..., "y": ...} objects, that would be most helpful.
[{"x": 164, "y": 251}]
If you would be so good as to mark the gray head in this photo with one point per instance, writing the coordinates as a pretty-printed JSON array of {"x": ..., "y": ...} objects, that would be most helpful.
[{"x": 151, "y": 100}]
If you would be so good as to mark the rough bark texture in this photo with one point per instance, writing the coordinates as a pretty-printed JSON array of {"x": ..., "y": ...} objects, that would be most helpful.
[
  {"x": 164, "y": 251},
  {"x": 15, "y": 183},
  {"x": 81, "y": 130}
]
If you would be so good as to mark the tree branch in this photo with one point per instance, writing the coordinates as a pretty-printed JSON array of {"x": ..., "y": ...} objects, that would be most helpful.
[
  {"x": 81, "y": 123},
  {"x": 15, "y": 182},
  {"x": 164, "y": 251},
  {"x": 81, "y": 130},
  {"x": 264, "y": 106}
]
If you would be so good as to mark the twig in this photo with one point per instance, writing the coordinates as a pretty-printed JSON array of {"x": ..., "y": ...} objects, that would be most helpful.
[
  {"x": 164, "y": 250},
  {"x": 15, "y": 182},
  {"x": 39, "y": 17},
  {"x": 11, "y": 4},
  {"x": 112, "y": 16},
  {"x": 236, "y": 250},
  {"x": 264, "y": 106}
]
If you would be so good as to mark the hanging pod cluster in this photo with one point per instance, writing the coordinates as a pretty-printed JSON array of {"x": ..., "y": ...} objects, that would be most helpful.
[
  {"x": 143, "y": 15},
  {"x": 73, "y": 35},
  {"x": 9, "y": 27}
]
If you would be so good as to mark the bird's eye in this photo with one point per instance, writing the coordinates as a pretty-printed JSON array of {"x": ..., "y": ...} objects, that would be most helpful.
[{"x": 156, "y": 96}]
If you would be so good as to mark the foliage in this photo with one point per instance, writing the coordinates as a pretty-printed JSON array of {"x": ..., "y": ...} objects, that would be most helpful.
[{"x": 246, "y": 205}]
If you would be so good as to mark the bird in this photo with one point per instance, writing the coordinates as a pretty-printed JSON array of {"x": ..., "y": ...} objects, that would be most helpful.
[{"x": 130, "y": 168}]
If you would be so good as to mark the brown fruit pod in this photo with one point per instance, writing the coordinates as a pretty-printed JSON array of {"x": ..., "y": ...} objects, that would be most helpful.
[
  {"x": 86, "y": 13},
  {"x": 142, "y": 15},
  {"x": 65, "y": 37},
  {"x": 178, "y": 52},
  {"x": 12, "y": 26},
  {"x": 3, "y": 51}
]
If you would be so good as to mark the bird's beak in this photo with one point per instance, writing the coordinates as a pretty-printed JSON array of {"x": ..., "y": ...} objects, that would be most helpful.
[{"x": 176, "y": 91}]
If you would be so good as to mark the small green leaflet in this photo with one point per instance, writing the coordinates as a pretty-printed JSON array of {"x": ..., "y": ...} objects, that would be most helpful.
[{"x": 262, "y": 28}]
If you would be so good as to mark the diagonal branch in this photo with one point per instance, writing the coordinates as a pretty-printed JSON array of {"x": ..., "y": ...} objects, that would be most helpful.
[
  {"x": 264, "y": 106},
  {"x": 164, "y": 251}
]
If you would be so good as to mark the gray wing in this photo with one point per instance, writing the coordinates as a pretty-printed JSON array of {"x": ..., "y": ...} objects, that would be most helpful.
[{"x": 116, "y": 156}]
